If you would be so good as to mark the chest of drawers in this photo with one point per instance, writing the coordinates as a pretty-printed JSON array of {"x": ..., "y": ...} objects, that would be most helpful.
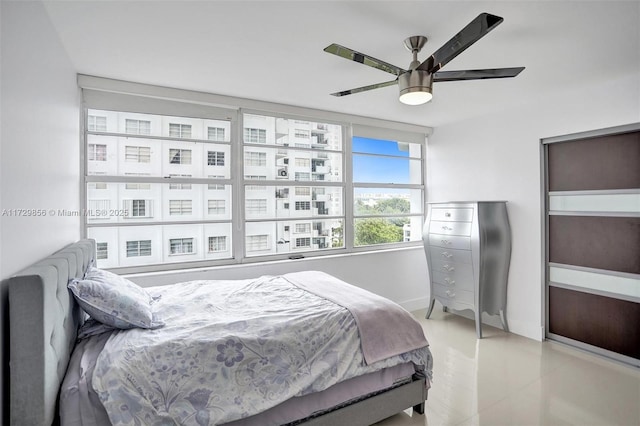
[{"x": 468, "y": 248}]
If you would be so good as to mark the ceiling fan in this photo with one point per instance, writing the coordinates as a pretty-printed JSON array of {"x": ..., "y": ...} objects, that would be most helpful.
[{"x": 416, "y": 82}]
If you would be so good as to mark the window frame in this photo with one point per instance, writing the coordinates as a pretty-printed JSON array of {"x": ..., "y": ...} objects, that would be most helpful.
[{"x": 137, "y": 101}]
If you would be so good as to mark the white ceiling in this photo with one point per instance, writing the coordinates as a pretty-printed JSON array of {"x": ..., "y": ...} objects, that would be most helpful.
[{"x": 272, "y": 50}]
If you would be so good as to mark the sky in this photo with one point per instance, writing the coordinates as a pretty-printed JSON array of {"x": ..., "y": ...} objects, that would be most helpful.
[{"x": 374, "y": 169}]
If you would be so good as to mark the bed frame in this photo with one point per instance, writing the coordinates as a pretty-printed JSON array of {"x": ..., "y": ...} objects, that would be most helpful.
[{"x": 43, "y": 322}]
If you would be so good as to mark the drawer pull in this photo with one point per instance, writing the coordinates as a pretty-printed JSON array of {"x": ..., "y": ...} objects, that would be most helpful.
[
  {"x": 445, "y": 241},
  {"x": 449, "y": 293},
  {"x": 448, "y": 268},
  {"x": 449, "y": 281},
  {"x": 446, "y": 254},
  {"x": 446, "y": 228},
  {"x": 447, "y": 214}
]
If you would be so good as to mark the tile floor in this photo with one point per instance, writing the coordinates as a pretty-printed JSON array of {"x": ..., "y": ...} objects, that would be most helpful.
[{"x": 506, "y": 379}]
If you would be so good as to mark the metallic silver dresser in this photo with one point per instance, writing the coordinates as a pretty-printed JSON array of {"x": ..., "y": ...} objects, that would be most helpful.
[{"x": 468, "y": 248}]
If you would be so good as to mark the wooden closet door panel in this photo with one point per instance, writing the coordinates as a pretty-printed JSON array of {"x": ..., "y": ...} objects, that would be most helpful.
[
  {"x": 608, "y": 323},
  {"x": 610, "y": 243},
  {"x": 599, "y": 163}
]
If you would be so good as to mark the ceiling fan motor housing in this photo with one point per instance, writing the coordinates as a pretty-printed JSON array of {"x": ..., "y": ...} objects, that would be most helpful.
[{"x": 415, "y": 83}]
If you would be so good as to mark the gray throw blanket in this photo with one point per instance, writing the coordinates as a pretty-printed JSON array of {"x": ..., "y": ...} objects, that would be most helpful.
[{"x": 385, "y": 328}]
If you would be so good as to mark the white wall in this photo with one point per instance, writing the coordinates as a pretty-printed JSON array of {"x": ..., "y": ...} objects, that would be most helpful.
[
  {"x": 400, "y": 275},
  {"x": 497, "y": 157},
  {"x": 39, "y": 167}
]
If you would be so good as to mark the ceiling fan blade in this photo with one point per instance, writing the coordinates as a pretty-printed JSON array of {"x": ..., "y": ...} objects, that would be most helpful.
[
  {"x": 473, "y": 32},
  {"x": 476, "y": 74},
  {"x": 365, "y": 88},
  {"x": 352, "y": 55}
]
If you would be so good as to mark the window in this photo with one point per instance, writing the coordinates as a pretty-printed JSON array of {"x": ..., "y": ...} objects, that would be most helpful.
[
  {"x": 216, "y": 134},
  {"x": 179, "y": 186},
  {"x": 255, "y": 135},
  {"x": 180, "y": 156},
  {"x": 303, "y": 190},
  {"x": 179, "y": 207},
  {"x": 160, "y": 185},
  {"x": 302, "y": 134},
  {"x": 303, "y": 242},
  {"x": 137, "y": 186},
  {"x": 217, "y": 243},
  {"x": 387, "y": 178},
  {"x": 137, "y": 154},
  {"x": 256, "y": 206},
  {"x": 137, "y": 127},
  {"x": 181, "y": 246},
  {"x": 302, "y": 176},
  {"x": 96, "y": 123},
  {"x": 303, "y": 228},
  {"x": 102, "y": 251},
  {"x": 303, "y": 162},
  {"x": 139, "y": 248},
  {"x": 137, "y": 208},
  {"x": 255, "y": 159},
  {"x": 179, "y": 130},
  {"x": 215, "y": 158},
  {"x": 257, "y": 242},
  {"x": 303, "y": 205},
  {"x": 177, "y": 180},
  {"x": 97, "y": 152},
  {"x": 216, "y": 206}
]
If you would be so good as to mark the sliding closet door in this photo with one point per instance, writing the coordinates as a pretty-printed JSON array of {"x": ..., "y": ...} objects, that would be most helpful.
[{"x": 592, "y": 212}]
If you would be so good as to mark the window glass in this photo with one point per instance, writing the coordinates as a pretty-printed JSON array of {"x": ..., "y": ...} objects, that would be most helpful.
[{"x": 386, "y": 214}]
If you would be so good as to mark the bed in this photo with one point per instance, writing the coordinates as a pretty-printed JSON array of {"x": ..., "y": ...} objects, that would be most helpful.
[{"x": 49, "y": 364}]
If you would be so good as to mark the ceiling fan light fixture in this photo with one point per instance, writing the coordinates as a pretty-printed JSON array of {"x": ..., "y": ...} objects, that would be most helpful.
[{"x": 415, "y": 87}]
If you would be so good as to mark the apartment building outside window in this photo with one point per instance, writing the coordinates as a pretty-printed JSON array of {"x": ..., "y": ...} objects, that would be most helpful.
[
  {"x": 255, "y": 135},
  {"x": 303, "y": 242},
  {"x": 181, "y": 246},
  {"x": 137, "y": 208},
  {"x": 180, "y": 196},
  {"x": 137, "y": 127},
  {"x": 138, "y": 154},
  {"x": 138, "y": 248},
  {"x": 180, "y": 156},
  {"x": 96, "y": 152},
  {"x": 258, "y": 159},
  {"x": 303, "y": 228},
  {"x": 216, "y": 134},
  {"x": 217, "y": 243},
  {"x": 215, "y": 158},
  {"x": 102, "y": 251},
  {"x": 177, "y": 130},
  {"x": 96, "y": 123},
  {"x": 258, "y": 206},
  {"x": 180, "y": 207},
  {"x": 216, "y": 206},
  {"x": 257, "y": 242}
]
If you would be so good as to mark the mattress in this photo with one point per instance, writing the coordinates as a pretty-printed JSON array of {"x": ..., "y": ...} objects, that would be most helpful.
[
  {"x": 244, "y": 352},
  {"x": 81, "y": 406}
]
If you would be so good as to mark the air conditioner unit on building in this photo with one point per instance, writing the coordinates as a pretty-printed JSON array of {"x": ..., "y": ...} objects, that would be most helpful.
[{"x": 283, "y": 173}]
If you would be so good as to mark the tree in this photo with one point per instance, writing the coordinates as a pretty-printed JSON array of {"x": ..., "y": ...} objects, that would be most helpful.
[
  {"x": 393, "y": 205},
  {"x": 376, "y": 231}
]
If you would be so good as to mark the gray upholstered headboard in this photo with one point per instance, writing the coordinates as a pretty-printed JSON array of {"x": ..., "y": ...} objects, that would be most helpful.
[{"x": 43, "y": 321}]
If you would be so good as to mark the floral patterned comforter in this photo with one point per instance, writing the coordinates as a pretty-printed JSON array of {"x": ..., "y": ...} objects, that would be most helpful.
[{"x": 229, "y": 350}]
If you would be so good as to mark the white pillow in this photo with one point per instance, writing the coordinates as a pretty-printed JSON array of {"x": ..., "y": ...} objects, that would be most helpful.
[{"x": 114, "y": 300}]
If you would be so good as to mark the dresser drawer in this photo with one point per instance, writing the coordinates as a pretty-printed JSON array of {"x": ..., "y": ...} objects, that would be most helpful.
[
  {"x": 451, "y": 214},
  {"x": 453, "y": 294},
  {"x": 450, "y": 228},
  {"x": 450, "y": 255},
  {"x": 450, "y": 241},
  {"x": 453, "y": 276}
]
